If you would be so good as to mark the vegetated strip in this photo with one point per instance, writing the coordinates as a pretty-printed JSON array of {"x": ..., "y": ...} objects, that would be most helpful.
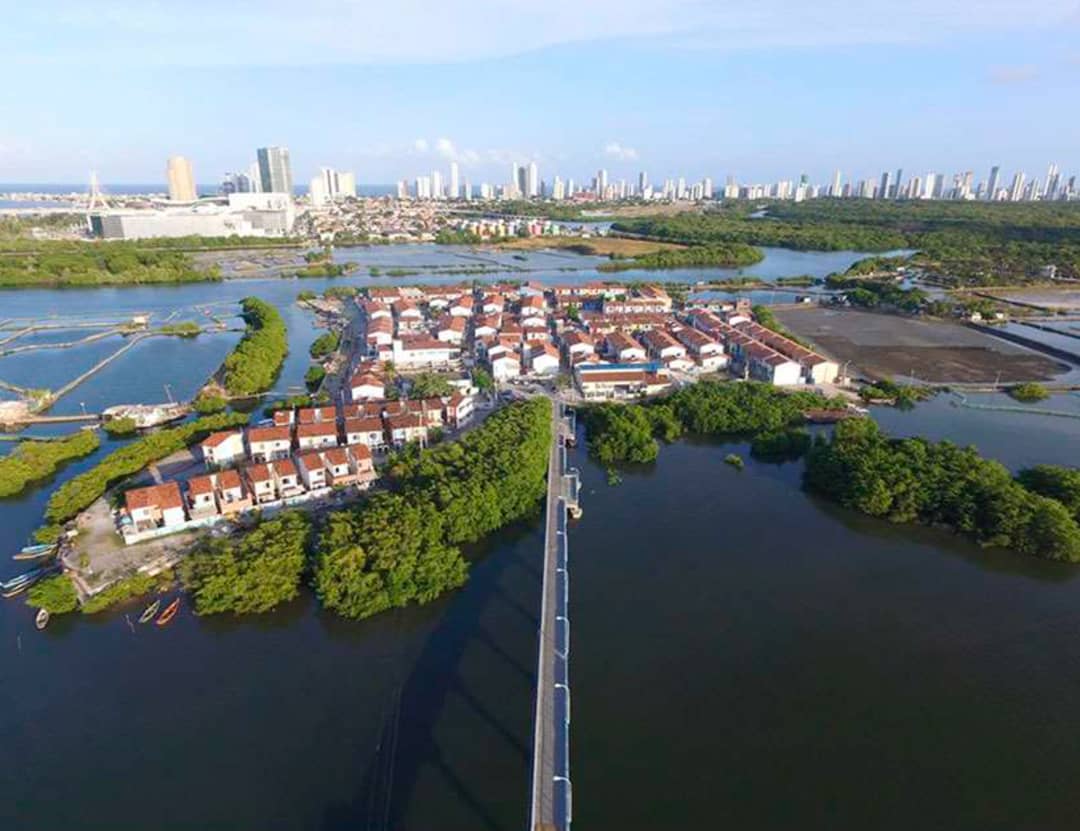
[
  {"x": 939, "y": 483},
  {"x": 629, "y": 432},
  {"x": 98, "y": 264},
  {"x": 726, "y": 254},
  {"x": 79, "y": 493},
  {"x": 401, "y": 547},
  {"x": 255, "y": 362},
  {"x": 33, "y": 461}
]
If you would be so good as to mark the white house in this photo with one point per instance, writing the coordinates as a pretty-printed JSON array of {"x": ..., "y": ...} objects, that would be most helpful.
[
  {"x": 416, "y": 352},
  {"x": 158, "y": 506},
  {"x": 544, "y": 359},
  {"x": 223, "y": 448},
  {"x": 504, "y": 366},
  {"x": 268, "y": 443},
  {"x": 316, "y": 436},
  {"x": 365, "y": 387},
  {"x": 366, "y": 431},
  {"x": 622, "y": 347},
  {"x": 312, "y": 470}
]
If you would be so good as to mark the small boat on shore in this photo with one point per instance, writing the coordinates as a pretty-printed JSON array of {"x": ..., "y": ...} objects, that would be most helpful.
[
  {"x": 149, "y": 612},
  {"x": 19, "y": 584},
  {"x": 169, "y": 613},
  {"x": 41, "y": 619},
  {"x": 36, "y": 552}
]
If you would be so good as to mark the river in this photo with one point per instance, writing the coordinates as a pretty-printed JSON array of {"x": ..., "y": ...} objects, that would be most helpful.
[{"x": 743, "y": 655}]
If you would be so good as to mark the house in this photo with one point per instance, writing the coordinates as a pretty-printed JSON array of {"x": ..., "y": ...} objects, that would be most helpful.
[
  {"x": 284, "y": 418},
  {"x": 577, "y": 346},
  {"x": 268, "y": 443},
  {"x": 317, "y": 415},
  {"x": 492, "y": 304},
  {"x": 406, "y": 310},
  {"x": 338, "y": 466},
  {"x": 373, "y": 310},
  {"x": 232, "y": 497},
  {"x": 599, "y": 382},
  {"x": 366, "y": 431},
  {"x": 312, "y": 470},
  {"x": 364, "y": 387},
  {"x": 361, "y": 465},
  {"x": 504, "y": 366},
  {"x": 379, "y": 332},
  {"x": 531, "y": 289},
  {"x": 462, "y": 307},
  {"x": 533, "y": 306},
  {"x": 316, "y": 436},
  {"x": 223, "y": 448},
  {"x": 544, "y": 359},
  {"x": 286, "y": 477},
  {"x": 430, "y": 408},
  {"x": 421, "y": 351},
  {"x": 201, "y": 500},
  {"x": 406, "y": 428},
  {"x": 764, "y": 363},
  {"x": 262, "y": 484},
  {"x": 621, "y": 347},
  {"x": 157, "y": 506},
  {"x": 450, "y": 329},
  {"x": 459, "y": 410},
  {"x": 486, "y": 326},
  {"x": 661, "y": 345}
]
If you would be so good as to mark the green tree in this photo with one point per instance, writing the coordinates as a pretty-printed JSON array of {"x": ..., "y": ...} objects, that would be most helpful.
[{"x": 55, "y": 594}]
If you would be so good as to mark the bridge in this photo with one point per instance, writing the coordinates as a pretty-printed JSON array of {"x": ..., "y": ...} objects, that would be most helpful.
[{"x": 551, "y": 802}]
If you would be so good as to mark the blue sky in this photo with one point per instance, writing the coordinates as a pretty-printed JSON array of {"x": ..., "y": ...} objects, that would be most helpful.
[{"x": 760, "y": 89}]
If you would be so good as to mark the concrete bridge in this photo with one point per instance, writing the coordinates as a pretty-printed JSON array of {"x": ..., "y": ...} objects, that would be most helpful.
[{"x": 551, "y": 802}]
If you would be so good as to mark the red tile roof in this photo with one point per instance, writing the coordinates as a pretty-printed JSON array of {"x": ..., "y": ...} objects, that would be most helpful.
[{"x": 166, "y": 495}]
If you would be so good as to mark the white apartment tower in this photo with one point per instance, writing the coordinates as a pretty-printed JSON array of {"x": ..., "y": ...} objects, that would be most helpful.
[{"x": 181, "y": 180}]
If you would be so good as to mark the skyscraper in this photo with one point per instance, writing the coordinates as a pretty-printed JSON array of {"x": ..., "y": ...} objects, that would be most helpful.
[
  {"x": 455, "y": 188},
  {"x": 521, "y": 180},
  {"x": 898, "y": 183},
  {"x": 1053, "y": 178},
  {"x": 642, "y": 182},
  {"x": 1017, "y": 189},
  {"x": 836, "y": 185},
  {"x": 992, "y": 187},
  {"x": 275, "y": 173},
  {"x": 883, "y": 190},
  {"x": 532, "y": 181},
  {"x": 436, "y": 185},
  {"x": 181, "y": 179},
  {"x": 601, "y": 183}
]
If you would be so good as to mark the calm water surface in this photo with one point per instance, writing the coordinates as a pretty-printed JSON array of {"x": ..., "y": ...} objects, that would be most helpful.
[{"x": 743, "y": 655}]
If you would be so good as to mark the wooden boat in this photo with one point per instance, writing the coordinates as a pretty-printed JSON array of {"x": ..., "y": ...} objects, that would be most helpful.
[
  {"x": 38, "y": 549},
  {"x": 27, "y": 554},
  {"x": 149, "y": 612},
  {"x": 169, "y": 613},
  {"x": 19, "y": 584},
  {"x": 41, "y": 620}
]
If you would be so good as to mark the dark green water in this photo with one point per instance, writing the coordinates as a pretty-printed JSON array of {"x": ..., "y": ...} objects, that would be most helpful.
[{"x": 742, "y": 655}]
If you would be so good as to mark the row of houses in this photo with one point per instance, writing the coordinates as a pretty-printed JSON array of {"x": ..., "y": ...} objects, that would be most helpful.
[{"x": 172, "y": 506}]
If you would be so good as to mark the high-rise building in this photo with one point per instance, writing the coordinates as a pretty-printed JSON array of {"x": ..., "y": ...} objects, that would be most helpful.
[
  {"x": 601, "y": 183},
  {"x": 275, "y": 172},
  {"x": 992, "y": 187},
  {"x": 403, "y": 189},
  {"x": 532, "y": 181},
  {"x": 707, "y": 186},
  {"x": 331, "y": 186},
  {"x": 181, "y": 179},
  {"x": 642, "y": 181},
  {"x": 836, "y": 189},
  {"x": 423, "y": 187},
  {"x": 467, "y": 195},
  {"x": 1017, "y": 189},
  {"x": 883, "y": 189},
  {"x": 898, "y": 183},
  {"x": 255, "y": 178},
  {"x": 437, "y": 191},
  {"x": 558, "y": 190},
  {"x": 1053, "y": 179},
  {"x": 454, "y": 193},
  {"x": 346, "y": 184}
]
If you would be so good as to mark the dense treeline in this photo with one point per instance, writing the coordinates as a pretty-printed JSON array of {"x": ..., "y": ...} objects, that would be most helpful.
[
  {"x": 1060, "y": 483},
  {"x": 402, "y": 547},
  {"x": 33, "y": 461},
  {"x": 255, "y": 574},
  {"x": 628, "y": 432},
  {"x": 254, "y": 364},
  {"x": 325, "y": 344},
  {"x": 915, "y": 480},
  {"x": 106, "y": 263},
  {"x": 971, "y": 243},
  {"x": 55, "y": 594},
  {"x": 730, "y": 255},
  {"x": 79, "y": 493}
]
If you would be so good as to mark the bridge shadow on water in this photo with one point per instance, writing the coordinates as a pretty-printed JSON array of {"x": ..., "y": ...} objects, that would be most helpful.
[{"x": 455, "y": 748}]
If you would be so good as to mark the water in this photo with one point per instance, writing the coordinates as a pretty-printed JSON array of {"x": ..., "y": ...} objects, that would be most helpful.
[{"x": 744, "y": 655}]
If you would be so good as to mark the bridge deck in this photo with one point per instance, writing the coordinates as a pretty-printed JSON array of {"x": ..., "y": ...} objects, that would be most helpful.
[{"x": 551, "y": 797}]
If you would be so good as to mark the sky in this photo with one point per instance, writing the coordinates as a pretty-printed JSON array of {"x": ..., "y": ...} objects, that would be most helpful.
[{"x": 757, "y": 89}]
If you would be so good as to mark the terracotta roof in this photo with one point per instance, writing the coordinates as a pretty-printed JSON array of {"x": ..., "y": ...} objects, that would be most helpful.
[
  {"x": 215, "y": 439},
  {"x": 260, "y": 473},
  {"x": 363, "y": 425},
  {"x": 166, "y": 495},
  {"x": 311, "y": 460},
  {"x": 338, "y": 456},
  {"x": 264, "y": 434},
  {"x": 284, "y": 467},
  {"x": 199, "y": 485},
  {"x": 307, "y": 431},
  {"x": 359, "y": 451},
  {"x": 229, "y": 479}
]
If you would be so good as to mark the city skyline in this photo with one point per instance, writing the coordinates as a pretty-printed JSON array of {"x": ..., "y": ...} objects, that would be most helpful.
[{"x": 755, "y": 89}]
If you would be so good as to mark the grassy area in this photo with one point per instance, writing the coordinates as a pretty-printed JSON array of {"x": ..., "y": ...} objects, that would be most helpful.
[{"x": 599, "y": 246}]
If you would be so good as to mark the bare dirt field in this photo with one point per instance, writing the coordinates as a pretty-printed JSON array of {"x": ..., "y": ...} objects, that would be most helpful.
[
  {"x": 1057, "y": 299},
  {"x": 601, "y": 246},
  {"x": 880, "y": 345}
]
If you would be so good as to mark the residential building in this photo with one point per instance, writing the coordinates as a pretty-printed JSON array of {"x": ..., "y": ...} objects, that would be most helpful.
[
  {"x": 275, "y": 172},
  {"x": 421, "y": 351},
  {"x": 544, "y": 359},
  {"x": 286, "y": 478},
  {"x": 266, "y": 444},
  {"x": 223, "y": 448},
  {"x": 406, "y": 428},
  {"x": 366, "y": 431},
  {"x": 312, "y": 470},
  {"x": 200, "y": 497},
  {"x": 232, "y": 496},
  {"x": 316, "y": 436},
  {"x": 459, "y": 410},
  {"x": 599, "y": 382},
  {"x": 365, "y": 387},
  {"x": 156, "y": 506},
  {"x": 622, "y": 348},
  {"x": 262, "y": 484}
]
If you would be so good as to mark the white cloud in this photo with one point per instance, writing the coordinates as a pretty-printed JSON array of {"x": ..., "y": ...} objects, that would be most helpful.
[
  {"x": 420, "y": 145},
  {"x": 620, "y": 152},
  {"x": 283, "y": 32},
  {"x": 1021, "y": 74}
]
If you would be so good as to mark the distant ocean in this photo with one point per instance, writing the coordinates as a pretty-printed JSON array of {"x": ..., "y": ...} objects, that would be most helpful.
[{"x": 134, "y": 189}]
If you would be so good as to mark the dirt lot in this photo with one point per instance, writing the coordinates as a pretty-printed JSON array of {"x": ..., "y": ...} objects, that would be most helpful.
[
  {"x": 601, "y": 246},
  {"x": 880, "y": 345},
  {"x": 1063, "y": 299}
]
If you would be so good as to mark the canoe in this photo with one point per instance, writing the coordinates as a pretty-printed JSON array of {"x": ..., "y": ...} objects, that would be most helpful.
[
  {"x": 41, "y": 620},
  {"x": 169, "y": 613},
  {"x": 35, "y": 555},
  {"x": 38, "y": 549},
  {"x": 149, "y": 612}
]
